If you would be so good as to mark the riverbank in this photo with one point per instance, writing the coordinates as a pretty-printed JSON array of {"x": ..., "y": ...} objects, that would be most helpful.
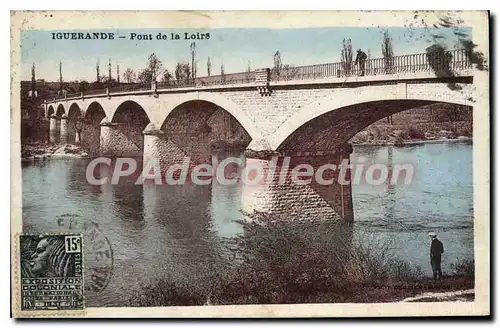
[
  {"x": 164, "y": 292},
  {"x": 42, "y": 151},
  {"x": 413, "y": 132},
  {"x": 451, "y": 288},
  {"x": 289, "y": 263},
  {"x": 396, "y": 143}
]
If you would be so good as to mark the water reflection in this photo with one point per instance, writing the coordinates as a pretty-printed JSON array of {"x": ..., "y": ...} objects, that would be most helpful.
[
  {"x": 179, "y": 231},
  {"x": 439, "y": 198}
]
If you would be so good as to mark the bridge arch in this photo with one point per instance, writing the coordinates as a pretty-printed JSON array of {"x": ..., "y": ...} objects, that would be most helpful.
[
  {"x": 60, "y": 110},
  {"x": 74, "y": 114},
  {"x": 50, "y": 111},
  {"x": 94, "y": 113},
  {"x": 198, "y": 127},
  {"x": 125, "y": 131},
  {"x": 74, "y": 110},
  {"x": 91, "y": 130},
  {"x": 220, "y": 101},
  {"x": 129, "y": 111},
  {"x": 341, "y": 115},
  {"x": 328, "y": 124}
]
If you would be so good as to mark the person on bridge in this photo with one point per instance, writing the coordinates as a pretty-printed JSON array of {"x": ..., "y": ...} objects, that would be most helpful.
[
  {"x": 436, "y": 250},
  {"x": 360, "y": 61}
]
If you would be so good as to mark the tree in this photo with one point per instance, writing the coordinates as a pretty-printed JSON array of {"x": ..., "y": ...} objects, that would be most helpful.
[
  {"x": 346, "y": 57},
  {"x": 97, "y": 72},
  {"x": 222, "y": 74},
  {"x": 167, "y": 77},
  {"x": 129, "y": 75},
  {"x": 387, "y": 53},
  {"x": 60, "y": 78},
  {"x": 153, "y": 70},
  {"x": 192, "y": 47},
  {"x": 155, "y": 67},
  {"x": 289, "y": 72},
  {"x": 475, "y": 57},
  {"x": 439, "y": 60},
  {"x": 145, "y": 76},
  {"x": 248, "y": 73},
  {"x": 83, "y": 86},
  {"x": 278, "y": 66},
  {"x": 109, "y": 73},
  {"x": 183, "y": 73},
  {"x": 107, "y": 82},
  {"x": 33, "y": 92},
  {"x": 209, "y": 66}
]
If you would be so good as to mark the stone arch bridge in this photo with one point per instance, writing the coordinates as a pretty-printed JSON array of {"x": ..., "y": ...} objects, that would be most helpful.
[{"x": 309, "y": 116}]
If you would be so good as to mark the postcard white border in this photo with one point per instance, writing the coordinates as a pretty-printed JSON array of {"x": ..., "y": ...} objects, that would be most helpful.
[{"x": 478, "y": 20}]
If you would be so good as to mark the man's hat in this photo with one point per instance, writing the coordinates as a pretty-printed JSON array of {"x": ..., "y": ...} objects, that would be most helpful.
[{"x": 433, "y": 234}]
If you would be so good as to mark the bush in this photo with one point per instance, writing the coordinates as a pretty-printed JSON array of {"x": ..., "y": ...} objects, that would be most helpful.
[
  {"x": 164, "y": 292},
  {"x": 414, "y": 133},
  {"x": 305, "y": 262},
  {"x": 463, "y": 268},
  {"x": 465, "y": 130},
  {"x": 284, "y": 263}
]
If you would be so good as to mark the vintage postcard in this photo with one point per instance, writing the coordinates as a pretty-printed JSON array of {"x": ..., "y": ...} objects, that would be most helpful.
[{"x": 250, "y": 164}]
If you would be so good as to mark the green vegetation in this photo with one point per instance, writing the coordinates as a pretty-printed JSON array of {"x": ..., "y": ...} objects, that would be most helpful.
[
  {"x": 299, "y": 263},
  {"x": 463, "y": 268}
]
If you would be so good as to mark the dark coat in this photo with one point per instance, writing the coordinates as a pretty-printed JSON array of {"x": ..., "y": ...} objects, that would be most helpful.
[
  {"x": 436, "y": 250},
  {"x": 360, "y": 57}
]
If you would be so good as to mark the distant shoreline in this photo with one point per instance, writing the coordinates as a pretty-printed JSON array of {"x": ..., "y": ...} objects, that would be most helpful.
[
  {"x": 46, "y": 152},
  {"x": 413, "y": 142}
]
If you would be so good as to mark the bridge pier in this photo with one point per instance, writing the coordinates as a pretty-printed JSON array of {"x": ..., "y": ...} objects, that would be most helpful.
[
  {"x": 288, "y": 197},
  {"x": 90, "y": 137},
  {"x": 54, "y": 125},
  {"x": 158, "y": 147},
  {"x": 116, "y": 140},
  {"x": 71, "y": 130},
  {"x": 64, "y": 130}
]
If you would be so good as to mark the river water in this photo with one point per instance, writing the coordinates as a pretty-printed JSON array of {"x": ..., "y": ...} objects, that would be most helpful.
[{"x": 177, "y": 231}]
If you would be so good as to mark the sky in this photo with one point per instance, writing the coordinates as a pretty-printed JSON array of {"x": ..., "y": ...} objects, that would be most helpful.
[{"x": 236, "y": 48}]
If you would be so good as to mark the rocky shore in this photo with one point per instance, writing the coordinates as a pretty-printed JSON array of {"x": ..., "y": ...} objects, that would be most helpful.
[
  {"x": 401, "y": 143},
  {"x": 399, "y": 136},
  {"x": 43, "y": 151}
]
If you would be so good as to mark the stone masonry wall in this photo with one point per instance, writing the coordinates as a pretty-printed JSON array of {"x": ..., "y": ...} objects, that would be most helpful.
[
  {"x": 269, "y": 112},
  {"x": 91, "y": 138},
  {"x": 116, "y": 141},
  {"x": 157, "y": 147},
  {"x": 291, "y": 201},
  {"x": 54, "y": 129}
]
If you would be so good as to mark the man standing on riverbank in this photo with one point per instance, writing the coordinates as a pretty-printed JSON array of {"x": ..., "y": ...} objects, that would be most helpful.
[{"x": 436, "y": 250}]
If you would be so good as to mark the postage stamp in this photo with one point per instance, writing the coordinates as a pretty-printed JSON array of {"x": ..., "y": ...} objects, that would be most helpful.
[
  {"x": 51, "y": 272},
  {"x": 196, "y": 164},
  {"x": 98, "y": 253}
]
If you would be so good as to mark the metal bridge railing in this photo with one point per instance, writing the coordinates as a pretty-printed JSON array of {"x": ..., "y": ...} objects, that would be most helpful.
[
  {"x": 439, "y": 62},
  {"x": 443, "y": 63},
  {"x": 130, "y": 87}
]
